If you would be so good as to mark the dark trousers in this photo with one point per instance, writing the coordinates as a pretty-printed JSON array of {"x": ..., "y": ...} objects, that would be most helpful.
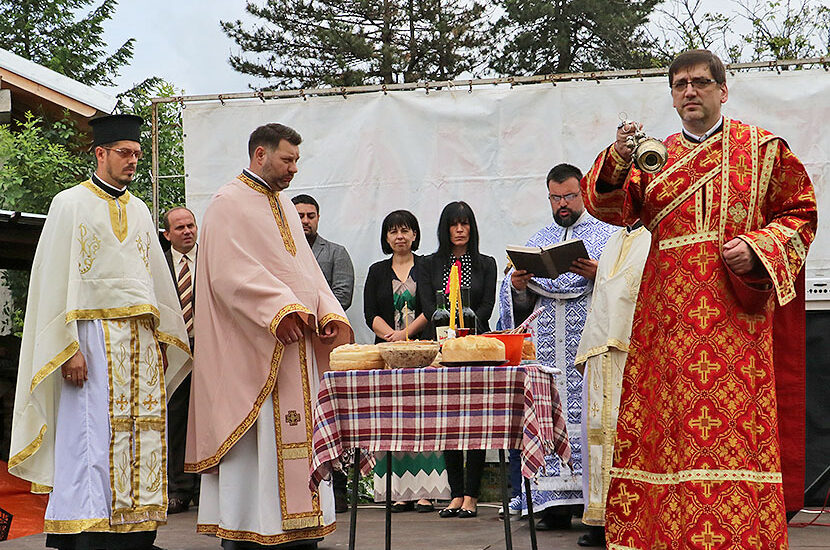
[
  {"x": 515, "y": 469},
  {"x": 139, "y": 540},
  {"x": 461, "y": 484},
  {"x": 179, "y": 484}
]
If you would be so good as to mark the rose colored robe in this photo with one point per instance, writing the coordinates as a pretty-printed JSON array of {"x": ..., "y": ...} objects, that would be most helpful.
[{"x": 255, "y": 268}]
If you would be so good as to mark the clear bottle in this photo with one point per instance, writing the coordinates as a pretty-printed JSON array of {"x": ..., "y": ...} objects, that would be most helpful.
[
  {"x": 441, "y": 317},
  {"x": 467, "y": 311}
]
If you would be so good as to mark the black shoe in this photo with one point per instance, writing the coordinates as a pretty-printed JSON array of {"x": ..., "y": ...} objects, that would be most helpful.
[
  {"x": 176, "y": 505},
  {"x": 594, "y": 537},
  {"x": 421, "y": 508},
  {"x": 403, "y": 507},
  {"x": 449, "y": 512},
  {"x": 341, "y": 503},
  {"x": 550, "y": 522},
  {"x": 464, "y": 513}
]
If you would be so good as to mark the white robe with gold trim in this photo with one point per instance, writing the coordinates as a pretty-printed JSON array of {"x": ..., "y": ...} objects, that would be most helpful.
[
  {"x": 603, "y": 350},
  {"x": 99, "y": 284}
]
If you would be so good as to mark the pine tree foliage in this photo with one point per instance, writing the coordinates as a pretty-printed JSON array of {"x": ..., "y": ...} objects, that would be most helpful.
[
  {"x": 560, "y": 36},
  {"x": 309, "y": 43},
  {"x": 53, "y": 34}
]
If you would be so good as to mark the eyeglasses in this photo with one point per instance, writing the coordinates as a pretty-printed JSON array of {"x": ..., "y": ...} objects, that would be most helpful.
[
  {"x": 127, "y": 153},
  {"x": 697, "y": 84},
  {"x": 568, "y": 198}
]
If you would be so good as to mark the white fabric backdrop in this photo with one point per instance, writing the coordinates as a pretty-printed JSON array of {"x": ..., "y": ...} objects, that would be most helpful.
[{"x": 368, "y": 154}]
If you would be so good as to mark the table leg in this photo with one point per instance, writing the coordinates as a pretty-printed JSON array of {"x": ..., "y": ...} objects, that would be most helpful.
[
  {"x": 388, "y": 500},
  {"x": 530, "y": 519},
  {"x": 353, "y": 513},
  {"x": 505, "y": 502}
]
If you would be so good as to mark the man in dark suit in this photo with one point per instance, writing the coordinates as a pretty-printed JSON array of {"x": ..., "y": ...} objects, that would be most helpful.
[{"x": 180, "y": 229}]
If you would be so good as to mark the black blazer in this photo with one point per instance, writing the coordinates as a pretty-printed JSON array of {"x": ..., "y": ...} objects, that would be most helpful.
[
  {"x": 377, "y": 293},
  {"x": 482, "y": 289}
]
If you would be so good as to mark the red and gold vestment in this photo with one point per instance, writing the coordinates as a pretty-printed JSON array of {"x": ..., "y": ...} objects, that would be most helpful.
[{"x": 697, "y": 460}]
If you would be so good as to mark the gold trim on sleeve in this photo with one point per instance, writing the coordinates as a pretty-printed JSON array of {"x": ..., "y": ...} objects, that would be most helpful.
[
  {"x": 112, "y": 313},
  {"x": 39, "y": 489},
  {"x": 28, "y": 450},
  {"x": 329, "y": 317},
  {"x": 53, "y": 365},
  {"x": 172, "y": 340}
]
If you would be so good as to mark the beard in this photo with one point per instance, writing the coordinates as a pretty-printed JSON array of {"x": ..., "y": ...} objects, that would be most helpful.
[{"x": 567, "y": 220}]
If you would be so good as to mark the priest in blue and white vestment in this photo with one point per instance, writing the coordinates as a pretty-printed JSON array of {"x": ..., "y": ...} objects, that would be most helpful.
[{"x": 557, "y": 331}]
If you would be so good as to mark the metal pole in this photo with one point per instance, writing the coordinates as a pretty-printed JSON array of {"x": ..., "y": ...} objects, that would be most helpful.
[
  {"x": 155, "y": 164},
  {"x": 505, "y": 502},
  {"x": 355, "y": 481}
]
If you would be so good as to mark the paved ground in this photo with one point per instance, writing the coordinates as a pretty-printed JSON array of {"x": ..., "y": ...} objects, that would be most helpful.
[{"x": 423, "y": 532}]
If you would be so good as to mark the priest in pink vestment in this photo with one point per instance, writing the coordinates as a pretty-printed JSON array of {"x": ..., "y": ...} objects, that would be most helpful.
[{"x": 264, "y": 326}]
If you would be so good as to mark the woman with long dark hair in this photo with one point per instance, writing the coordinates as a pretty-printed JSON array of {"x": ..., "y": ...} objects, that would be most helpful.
[
  {"x": 392, "y": 308},
  {"x": 458, "y": 245}
]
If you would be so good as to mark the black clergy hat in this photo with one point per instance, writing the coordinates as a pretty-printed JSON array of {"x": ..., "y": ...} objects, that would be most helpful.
[{"x": 111, "y": 128}]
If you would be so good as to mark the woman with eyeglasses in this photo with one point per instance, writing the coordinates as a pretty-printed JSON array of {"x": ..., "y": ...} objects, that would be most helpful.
[{"x": 458, "y": 245}]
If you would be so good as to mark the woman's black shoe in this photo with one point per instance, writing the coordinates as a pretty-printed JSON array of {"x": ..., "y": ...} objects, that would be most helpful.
[
  {"x": 403, "y": 507},
  {"x": 449, "y": 512},
  {"x": 424, "y": 507},
  {"x": 467, "y": 513}
]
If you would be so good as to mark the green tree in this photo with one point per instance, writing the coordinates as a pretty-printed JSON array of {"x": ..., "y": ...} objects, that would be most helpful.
[
  {"x": 50, "y": 33},
  {"x": 786, "y": 30},
  {"x": 309, "y": 43},
  {"x": 35, "y": 166},
  {"x": 170, "y": 138},
  {"x": 560, "y": 36}
]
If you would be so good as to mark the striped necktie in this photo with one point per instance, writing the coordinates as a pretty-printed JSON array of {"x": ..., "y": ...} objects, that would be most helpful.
[{"x": 185, "y": 287}]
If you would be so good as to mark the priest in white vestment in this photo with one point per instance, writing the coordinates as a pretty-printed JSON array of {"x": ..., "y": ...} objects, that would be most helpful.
[
  {"x": 603, "y": 350},
  {"x": 89, "y": 413},
  {"x": 264, "y": 326}
]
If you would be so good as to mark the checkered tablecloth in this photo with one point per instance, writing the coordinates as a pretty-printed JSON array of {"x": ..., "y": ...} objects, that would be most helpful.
[{"x": 437, "y": 409}]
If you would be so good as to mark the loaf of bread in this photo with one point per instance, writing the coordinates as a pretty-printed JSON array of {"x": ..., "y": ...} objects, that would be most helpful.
[
  {"x": 472, "y": 349},
  {"x": 356, "y": 357}
]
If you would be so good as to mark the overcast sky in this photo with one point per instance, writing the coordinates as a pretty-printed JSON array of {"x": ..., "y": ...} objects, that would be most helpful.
[{"x": 180, "y": 41}]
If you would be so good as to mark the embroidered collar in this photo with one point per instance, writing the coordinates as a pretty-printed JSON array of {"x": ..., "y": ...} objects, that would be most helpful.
[{"x": 256, "y": 179}]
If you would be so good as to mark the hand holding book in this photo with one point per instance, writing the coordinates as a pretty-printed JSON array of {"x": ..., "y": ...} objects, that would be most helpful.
[{"x": 551, "y": 261}]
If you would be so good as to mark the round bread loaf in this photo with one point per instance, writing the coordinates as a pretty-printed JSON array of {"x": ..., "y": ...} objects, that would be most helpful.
[
  {"x": 472, "y": 348},
  {"x": 356, "y": 357}
]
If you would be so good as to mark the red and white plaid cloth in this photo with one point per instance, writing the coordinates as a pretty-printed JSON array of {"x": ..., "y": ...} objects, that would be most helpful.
[{"x": 437, "y": 409}]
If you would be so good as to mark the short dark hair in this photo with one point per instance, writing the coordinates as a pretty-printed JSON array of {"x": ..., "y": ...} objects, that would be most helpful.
[
  {"x": 562, "y": 172},
  {"x": 165, "y": 219},
  {"x": 399, "y": 218},
  {"x": 692, "y": 58},
  {"x": 270, "y": 135},
  {"x": 455, "y": 212},
  {"x": 306, "y": 199}
]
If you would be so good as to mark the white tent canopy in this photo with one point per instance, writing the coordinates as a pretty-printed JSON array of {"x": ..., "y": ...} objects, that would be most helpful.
[{"x": 365, "y": 155}]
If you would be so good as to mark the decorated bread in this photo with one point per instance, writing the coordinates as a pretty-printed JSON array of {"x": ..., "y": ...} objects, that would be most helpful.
[
  {"x": 472, "y": 349},
  {"x": 356, "y": 357}
]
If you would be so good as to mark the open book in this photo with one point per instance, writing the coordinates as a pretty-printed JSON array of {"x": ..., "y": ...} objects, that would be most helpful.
[{"x": 548, "y": 262}]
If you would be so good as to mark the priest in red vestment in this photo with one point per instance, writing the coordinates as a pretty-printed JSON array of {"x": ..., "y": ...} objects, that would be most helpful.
[{"x": 697, "y": 458}]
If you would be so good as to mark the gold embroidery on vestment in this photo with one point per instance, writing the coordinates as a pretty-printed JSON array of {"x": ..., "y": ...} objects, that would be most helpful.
[
  {"x": 277, "y": 210},
  {"x": 90, "y": 245}
]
